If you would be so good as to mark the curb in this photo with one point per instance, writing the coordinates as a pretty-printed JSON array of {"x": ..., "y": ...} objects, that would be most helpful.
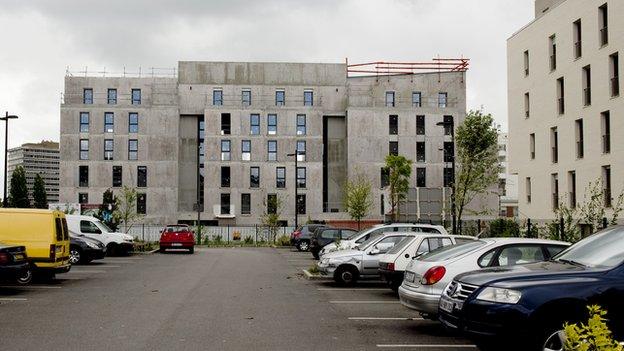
[
  {"x": 145, "y": 252},
  {"x": 310, "y": 276}
]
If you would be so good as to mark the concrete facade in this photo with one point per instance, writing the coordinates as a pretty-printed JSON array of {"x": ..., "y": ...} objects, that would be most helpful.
[
  {"x": 37, "y": 158},
  {"x": 508, "y": 183},
  {"x": 346, "y": 132},
  {"x": 558, "y": 146}
]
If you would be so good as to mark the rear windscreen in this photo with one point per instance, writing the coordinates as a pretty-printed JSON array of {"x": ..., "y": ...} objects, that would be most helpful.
[
  {"x": 451, "y": 251},
  {"x": 65, "y": 230},
  {"x": 59, "y": 229}
]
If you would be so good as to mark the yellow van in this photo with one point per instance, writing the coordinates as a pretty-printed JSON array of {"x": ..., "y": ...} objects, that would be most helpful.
[{"x": 44, "y": 233}]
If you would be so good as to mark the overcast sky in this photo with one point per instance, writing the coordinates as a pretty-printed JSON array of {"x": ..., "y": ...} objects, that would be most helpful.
[{"x": 41, "y": 38}]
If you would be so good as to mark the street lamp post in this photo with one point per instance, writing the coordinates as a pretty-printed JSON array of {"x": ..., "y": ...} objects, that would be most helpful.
[
  {"x": 6, "y": 119},
  {"x": 296, "y": 154},
  {"x": 451, "y": 124}
]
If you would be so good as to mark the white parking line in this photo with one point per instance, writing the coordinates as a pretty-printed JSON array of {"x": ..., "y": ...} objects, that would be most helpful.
[
  {"x": 84, "y": 272},
  {"x": 386, "y": 318},
  {"x": 353, "y": 289},
  {"x": 99, "y": 266},
  {"x": 117, "y": 262},
  {"x": 426, "y": 346},
  {"x": 123, "y": 258},
  {"x": 13, "y": 299},
  {"x": 364, "y": 302},
  {"x": 29, "y": 287}
]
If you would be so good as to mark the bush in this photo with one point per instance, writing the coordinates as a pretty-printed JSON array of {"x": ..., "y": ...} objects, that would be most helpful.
[
  {"x": 502, "y": 227},
  {"x": 248, "y": 240},
  {"x": 283, "y": 240},
  {"x": 313, "y": 269},
  {"x": 217, "y": 239},
  {"x": 593, "y": 336}
]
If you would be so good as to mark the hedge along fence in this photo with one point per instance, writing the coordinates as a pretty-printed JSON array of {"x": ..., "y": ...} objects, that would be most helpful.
[{"x": 226, "y": 234}]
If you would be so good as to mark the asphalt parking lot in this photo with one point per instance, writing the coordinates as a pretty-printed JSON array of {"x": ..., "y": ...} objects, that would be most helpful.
[{"x": 216, "y": 299}]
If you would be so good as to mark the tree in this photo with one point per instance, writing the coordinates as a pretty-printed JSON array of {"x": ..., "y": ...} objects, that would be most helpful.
[
  {"x": 107, "y": 209},
  {"x": 271, "y": 216},
  {"x": 477, "y": 160},
  {"x": 125, "y": 207},
  {"x": 399, "y": 170},
  {"x": 40, "y": 197},
  {"x": 18, "y": 194},
  {"x": 357, "y": 198}
]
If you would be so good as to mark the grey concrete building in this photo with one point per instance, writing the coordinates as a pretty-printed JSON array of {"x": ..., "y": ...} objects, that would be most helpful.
[
  {"x": 227, "y": 129},
  {"x": 37, "y": 158}
]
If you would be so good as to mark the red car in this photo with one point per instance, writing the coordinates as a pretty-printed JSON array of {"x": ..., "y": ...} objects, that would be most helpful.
[{"x": 177, "y": 236}]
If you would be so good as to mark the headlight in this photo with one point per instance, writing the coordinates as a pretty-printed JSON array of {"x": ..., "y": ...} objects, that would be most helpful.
[
  {"x": 500, "y": 295},
  {"x": 92, "y": 245},
  {"x": 324, "y": 262}
]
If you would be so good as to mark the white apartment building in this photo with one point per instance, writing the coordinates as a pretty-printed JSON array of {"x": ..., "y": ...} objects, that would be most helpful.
[
  {"x": 37, "y": 158},
  {"x": 565, "y": 108},
  {"x": 507, "y": 182}
]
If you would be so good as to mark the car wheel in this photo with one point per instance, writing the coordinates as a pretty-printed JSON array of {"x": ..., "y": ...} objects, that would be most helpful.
[
  {"x": 112, "y": 250},
  {"x": 346, "y": 275},
  {"x": 316, "y": 255},
  {"x": 25, "y": 277},
  {"x": 75, "y": 255},
  {"x": 555, "y": 342},
  {"x": 303, "y": 246}
]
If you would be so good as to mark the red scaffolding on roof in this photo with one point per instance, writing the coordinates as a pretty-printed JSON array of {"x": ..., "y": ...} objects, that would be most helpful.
[{"x": 382, "y": 68}]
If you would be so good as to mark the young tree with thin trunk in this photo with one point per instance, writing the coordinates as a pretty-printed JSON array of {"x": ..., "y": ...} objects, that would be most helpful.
[
  {"x": 126, "y": 207},
  {"x": 18, "y": 194},
  {"x": 399, "y": 171},
  {"x": 271, "y": 217},
  {"x": 40, "y": 197},
  {"x": 357, "y": 198}
]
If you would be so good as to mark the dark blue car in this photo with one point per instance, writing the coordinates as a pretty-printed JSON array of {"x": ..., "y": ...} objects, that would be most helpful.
[{"x": 525, "y": 307}]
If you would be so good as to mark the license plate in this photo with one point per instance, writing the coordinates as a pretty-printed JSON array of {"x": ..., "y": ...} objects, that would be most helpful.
[
  {"x": 449, "y": 306},
  {"x": 409, "y": 276},
  {"x": 176, "y": 244}
]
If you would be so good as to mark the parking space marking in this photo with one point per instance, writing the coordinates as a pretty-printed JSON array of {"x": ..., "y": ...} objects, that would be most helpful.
[
  {"x": 85, "y": 272},
  {"x": 123, "y": 258},
  {"x": 427, "y": 346},
  {"x": 29, "y": 287},
  {"x": 13, "y": 299},
  {"x": 353, "y": 289},
  {"x": 386, "y": 318},
  {"x": 365, "y": 302}
]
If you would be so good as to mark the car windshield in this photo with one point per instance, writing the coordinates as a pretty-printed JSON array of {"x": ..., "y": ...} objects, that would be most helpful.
[
  {"x": 603, "y": 249},
  {"x": 451, "y": 251},
  {"x": 176, "y": 228},
  {"x": 103, "y": 227},
  {"x": 400, "y": 245},
  {"x": 364, "y": 245},
  {"x": 352, "y": 236}
]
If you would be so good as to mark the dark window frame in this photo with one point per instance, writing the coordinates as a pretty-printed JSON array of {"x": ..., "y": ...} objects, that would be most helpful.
[
  {"x": 141, "y": 176},
  {"x": 280, "y": 180},
  {"x": 83, "y": 176},
  {"x": 84, "y": 126},
  {"x": 133, "y": 149},
  {"x": 133, "y": 125},
  {"x": 109, "y": 152},
  {"x": 117, "y": 176},
  {"x": 111, "y": 96},
  {"x": 109, "y": 122},
  {"x": 136, "y": 96}
]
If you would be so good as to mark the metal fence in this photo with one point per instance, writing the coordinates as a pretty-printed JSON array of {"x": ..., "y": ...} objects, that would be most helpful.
[{"x": 227, "y": 234}]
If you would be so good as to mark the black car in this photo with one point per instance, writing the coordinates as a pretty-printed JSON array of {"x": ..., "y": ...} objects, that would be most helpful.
[
  {"x": 526, "y": 306},
  {"x": 14, "y": 266},
  {"x": 325, "y": 235},
  {"x": 300, "y": 238},
  {"x": 84, "y": 250}
]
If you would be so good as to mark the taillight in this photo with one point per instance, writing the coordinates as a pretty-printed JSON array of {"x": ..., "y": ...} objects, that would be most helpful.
[
  {"x": 4, "y": 258},
  {"x": 390, "y": 266},
  {"x": 433, "y": 275},
  {"x": 296, "y": 234},
  {"x": 52, "y": 252}
]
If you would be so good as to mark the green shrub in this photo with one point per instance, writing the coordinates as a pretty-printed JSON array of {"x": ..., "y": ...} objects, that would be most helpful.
[
  {"x": 313, "y": 269},
  {"x": 217, "y": 239},
  {"x": 248, "y": 240},
  {"x": 502, "y": 227},
  {"x": 283, "y": 240},
  {"x": 593, "y": 336}
]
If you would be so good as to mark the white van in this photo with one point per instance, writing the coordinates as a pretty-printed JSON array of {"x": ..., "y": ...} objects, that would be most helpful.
[{"x": 91, "y": 227}]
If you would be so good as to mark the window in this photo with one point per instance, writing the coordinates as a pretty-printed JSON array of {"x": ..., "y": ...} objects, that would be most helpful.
[
  {"x": 83, "y": 198},
  {"x": 587, "y": 85},
  {"x": 272, "y": 150},
  {"x": 449, "y": 151},
  {"x": 84, "y": 122},
  {"x": 448, "y": 177},
  {"x": 226, "y": 126},
  {"x": 572, "y": 188},
  {"x": 246, "y": 150},
  {"x": 527, "y": 105},
  {"x": 112, "y": 96},
  {"x": 83, "y": 176},
  {"x": 280, "y": 177},
  {"x": 393, "y": 148},
  {"x": 301, "y": 124},
  {"x": 528, "y": 189},
  {"x": 389, "y": 98},
  {"x": 603, "y": 24},
  {"x": 560, "y": 96},
  {"x": 84, "y": 149},
  {"x": 271, "y": 203},
  {"x": 87, "y": 96},
  {"x": 606, "y": 185},
  {"x": 133, "y": 149},
  {"x": 246, "y": 97},
  {"x": 416, "y": 99},
  {"x": 532, "y": 146},
  {"x": 519, "y": 254},
  {"x": 421, "y": 177},
  {"x": 308, "y": 98},
  {"x": 254, "y": 177},
  {"x": 301, "y": 150},
  {"x": 141, "y": 203},
  {"x": 109, "y": 122},
  {"x": 442, "y": 100},
  {"x": 420, "y": 125},
  {"x": 449, "y": 124},
  {"x": 301, "y": 204},
  {"x": 272, "y": 124},
  {"x": 605, "y": 121},
  {"x": 225, "y": 204},
  {"x": 382, "y": 205},
  {"x": 554, "y": 183},
  {"x": 554, "y": 145},
  {"x": 117, "y": 176},
  {"x": 393, "y": 125},
  {"x": 136, "y": 96},
  {"x": 526, "y": 63},
  {"x": 245, "y": 203},
  {"x": 254, "y": 124},
  {"x": 385, "y": 177},
  {"x": 301, "y": 177},
  {"x": 133, "y": 122},
  {"x": 217, "y": 97},
  {"x": 578, "y": 127},
  {"x": 280, "y": 98},
  {"x": 108, "y": 149},
  {"x": 552, "y": 47},
  {"x": 420, "y": 151},
  {"x": 225, "y": 176},
  {"x": 225, "y": 150},
  {"x": 614, "y": 74},
  {"x": 141, "y": 176},
  {"x": 576, "y": 31}
]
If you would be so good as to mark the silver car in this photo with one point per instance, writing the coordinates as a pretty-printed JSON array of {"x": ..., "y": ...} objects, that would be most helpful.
[{"x": 428, "y": 275}]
